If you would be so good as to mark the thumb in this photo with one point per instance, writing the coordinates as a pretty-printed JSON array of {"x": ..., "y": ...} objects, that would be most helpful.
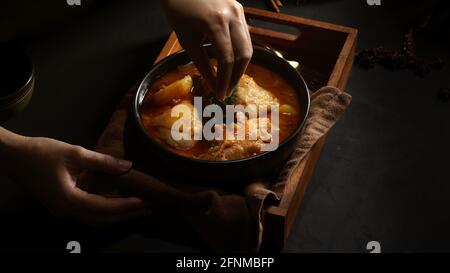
[{"x": 94, "y": 161}]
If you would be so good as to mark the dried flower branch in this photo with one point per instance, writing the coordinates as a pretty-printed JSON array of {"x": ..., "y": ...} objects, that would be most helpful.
[
  {"x": 403, "y": 59},
  {"x": 274, "y": 5}
]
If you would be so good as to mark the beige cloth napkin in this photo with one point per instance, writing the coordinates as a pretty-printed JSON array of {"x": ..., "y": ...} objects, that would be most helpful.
[{"x": 226, "y": 221}]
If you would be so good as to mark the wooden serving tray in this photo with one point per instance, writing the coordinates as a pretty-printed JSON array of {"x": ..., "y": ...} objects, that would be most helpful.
[{"x": 326, "y": 53}]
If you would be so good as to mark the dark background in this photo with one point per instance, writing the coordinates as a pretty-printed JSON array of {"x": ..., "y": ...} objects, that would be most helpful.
[{"x": 383, "y": 174}]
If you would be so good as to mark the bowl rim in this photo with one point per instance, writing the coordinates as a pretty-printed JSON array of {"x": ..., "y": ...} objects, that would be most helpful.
[
  {"x": 20, "y": 92},
  {"x": 11, "y": 102},
  {"x": 137, "y": 117}
]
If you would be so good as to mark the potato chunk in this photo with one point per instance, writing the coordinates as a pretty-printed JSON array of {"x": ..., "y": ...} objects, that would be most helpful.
[
  {"x": 175, "y": 90},
  {"x": 287, "y": 109},
  {"x": 164, "y": 122}
]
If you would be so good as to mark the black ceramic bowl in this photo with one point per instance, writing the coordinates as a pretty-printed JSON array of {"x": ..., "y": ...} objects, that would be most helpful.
[
  {"x": 16, "y": 81},
  {"x": 218, "y": 172}
]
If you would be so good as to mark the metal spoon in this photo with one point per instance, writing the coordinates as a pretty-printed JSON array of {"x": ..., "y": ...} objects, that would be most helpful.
[{"x": 262, "y": 43}]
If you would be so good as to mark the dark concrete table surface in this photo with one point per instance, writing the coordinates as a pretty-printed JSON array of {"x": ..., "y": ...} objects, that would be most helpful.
[{"x": 383, "y": 173}]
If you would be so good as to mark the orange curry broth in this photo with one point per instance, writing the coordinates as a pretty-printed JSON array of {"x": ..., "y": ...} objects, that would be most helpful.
[{"x": 265, "y": 78}]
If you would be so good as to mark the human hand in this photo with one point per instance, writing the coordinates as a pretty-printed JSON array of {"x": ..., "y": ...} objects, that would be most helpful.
[
  {"x": 50, "y": 170},
  {"x": 223, "y": 23}
]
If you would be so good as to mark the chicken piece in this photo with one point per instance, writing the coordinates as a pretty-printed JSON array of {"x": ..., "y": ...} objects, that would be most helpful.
[
  {"x": 262, "y": 127},
  {"x": 241, "y": 148},
  {"x": 248, "y": 92},
  {"x": 232, "y": 150},
  {"x": 164, "y": 125}
]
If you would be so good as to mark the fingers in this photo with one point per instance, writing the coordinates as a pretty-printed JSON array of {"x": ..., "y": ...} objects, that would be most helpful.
[
  {"x": 243, "y": 50},
  {"x": 101, "y": 220},
  {"x": 98, "y": 204},
  {"x": 225, "y": 58},
  {"x": 94, "y": 161},
  {"x": 93, "y": 209},
  {"x": 97, "y": 210},
  {"x": 200, "y": 58},
  {"x": 232, "y": 42},
  {"x": 224, "y": 24}
]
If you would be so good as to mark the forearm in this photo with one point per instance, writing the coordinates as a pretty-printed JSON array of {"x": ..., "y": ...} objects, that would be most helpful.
[{"x": 10, "y": 146}]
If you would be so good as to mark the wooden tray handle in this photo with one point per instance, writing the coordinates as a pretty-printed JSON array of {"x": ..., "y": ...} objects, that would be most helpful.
[
  {"x": 270, "y": 17},
  {"x": 308, "y": 29}
]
